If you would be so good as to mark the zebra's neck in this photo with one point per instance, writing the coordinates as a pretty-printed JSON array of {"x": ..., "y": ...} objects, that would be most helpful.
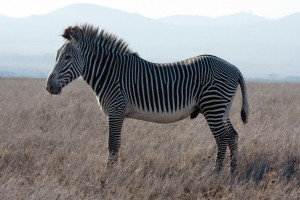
[{"x": 103, "y": 68}]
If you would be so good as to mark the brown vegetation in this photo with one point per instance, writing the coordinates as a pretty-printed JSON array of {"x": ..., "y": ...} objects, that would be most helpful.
[{"x": 54, "y": 147}]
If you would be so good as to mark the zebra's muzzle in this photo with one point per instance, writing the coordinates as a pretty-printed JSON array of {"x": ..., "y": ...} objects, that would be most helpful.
[{"x": 53, "y": 88}]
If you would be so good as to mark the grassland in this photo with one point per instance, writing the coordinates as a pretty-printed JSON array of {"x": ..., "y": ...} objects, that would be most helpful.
[{"x": 55, "y": 147}]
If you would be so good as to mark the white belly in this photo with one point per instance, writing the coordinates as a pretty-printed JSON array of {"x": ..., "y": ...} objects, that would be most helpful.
[{"x": 160, "y": 117}]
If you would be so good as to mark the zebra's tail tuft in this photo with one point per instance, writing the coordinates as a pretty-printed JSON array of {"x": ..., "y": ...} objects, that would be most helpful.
[
  {"x": 244, "y": 116},
  {"x": 245, "y": 106}
]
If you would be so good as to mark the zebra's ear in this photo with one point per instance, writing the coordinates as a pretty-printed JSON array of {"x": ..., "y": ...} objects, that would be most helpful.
[
  {"x": 66, "y": 33},
  {"x": 76, "y": 33}
]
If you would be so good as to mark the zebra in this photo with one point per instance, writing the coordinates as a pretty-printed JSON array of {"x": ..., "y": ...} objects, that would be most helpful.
[{"x": 127, "y": 86}]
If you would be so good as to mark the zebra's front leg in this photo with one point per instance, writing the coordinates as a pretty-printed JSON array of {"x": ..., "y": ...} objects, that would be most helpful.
[{"x": 115, "y": 124}]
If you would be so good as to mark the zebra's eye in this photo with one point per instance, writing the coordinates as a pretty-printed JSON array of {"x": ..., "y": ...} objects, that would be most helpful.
[{"x": 68, "y": 57}]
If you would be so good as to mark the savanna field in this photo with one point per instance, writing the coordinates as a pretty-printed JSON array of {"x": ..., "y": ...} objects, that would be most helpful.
[{"x": 55, "y": 147}]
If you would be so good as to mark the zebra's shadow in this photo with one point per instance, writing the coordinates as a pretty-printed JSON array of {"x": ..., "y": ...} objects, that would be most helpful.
[{"x": 262, "y": 169}]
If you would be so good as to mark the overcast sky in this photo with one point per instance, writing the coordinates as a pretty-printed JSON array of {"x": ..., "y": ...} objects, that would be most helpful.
[{"x": 160, "y": 8}]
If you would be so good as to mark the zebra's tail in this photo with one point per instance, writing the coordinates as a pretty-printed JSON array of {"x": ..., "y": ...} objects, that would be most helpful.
[{"x": 245, "y": 106}]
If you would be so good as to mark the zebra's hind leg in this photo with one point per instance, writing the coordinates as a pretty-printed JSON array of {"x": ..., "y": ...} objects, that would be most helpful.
[
  {"x": 233, "y": 139},
  {"x": 219, "y": 131},
  {"x": 233, "y": 146}
]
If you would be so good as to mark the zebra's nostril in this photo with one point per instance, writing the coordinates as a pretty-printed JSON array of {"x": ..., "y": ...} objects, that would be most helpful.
[{"x": 49, "y": 88}]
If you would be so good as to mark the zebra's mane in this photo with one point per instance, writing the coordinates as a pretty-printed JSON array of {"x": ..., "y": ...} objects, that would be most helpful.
[{"x": 107, "y": 40}]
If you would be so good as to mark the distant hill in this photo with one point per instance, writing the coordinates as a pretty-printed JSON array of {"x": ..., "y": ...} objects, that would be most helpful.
[
  {"x": 195, "y": 20},
  {"x": 258, "y": 46}
]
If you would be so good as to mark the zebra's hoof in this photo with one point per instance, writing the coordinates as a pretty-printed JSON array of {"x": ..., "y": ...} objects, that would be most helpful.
[
  {"x": 111, "y": 163},
  {"x": 217, "y": 170},
  {"x": 234, "y": 171}
]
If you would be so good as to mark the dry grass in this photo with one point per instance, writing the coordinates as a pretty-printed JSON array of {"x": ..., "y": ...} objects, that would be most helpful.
[{"x": 54, "y": 147}]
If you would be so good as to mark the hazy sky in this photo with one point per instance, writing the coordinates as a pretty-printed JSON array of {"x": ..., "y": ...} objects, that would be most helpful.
[{"x": 161, "y": 8}]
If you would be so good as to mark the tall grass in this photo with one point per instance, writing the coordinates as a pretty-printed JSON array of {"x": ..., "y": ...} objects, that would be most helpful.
[{"x": 55, "y": 147}]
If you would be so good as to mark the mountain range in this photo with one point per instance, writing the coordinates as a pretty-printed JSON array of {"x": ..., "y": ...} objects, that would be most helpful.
[{"x": 260, "y": 47}]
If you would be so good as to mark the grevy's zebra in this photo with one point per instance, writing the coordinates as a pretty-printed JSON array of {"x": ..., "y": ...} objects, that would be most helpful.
[{"x": 129, "y": 87}]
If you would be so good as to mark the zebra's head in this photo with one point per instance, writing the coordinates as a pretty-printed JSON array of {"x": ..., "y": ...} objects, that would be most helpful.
[{"x": 69, "y": 61}]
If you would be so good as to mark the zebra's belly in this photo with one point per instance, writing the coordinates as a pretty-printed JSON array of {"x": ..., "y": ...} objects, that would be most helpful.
[{"x": 161, "y": 117}]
